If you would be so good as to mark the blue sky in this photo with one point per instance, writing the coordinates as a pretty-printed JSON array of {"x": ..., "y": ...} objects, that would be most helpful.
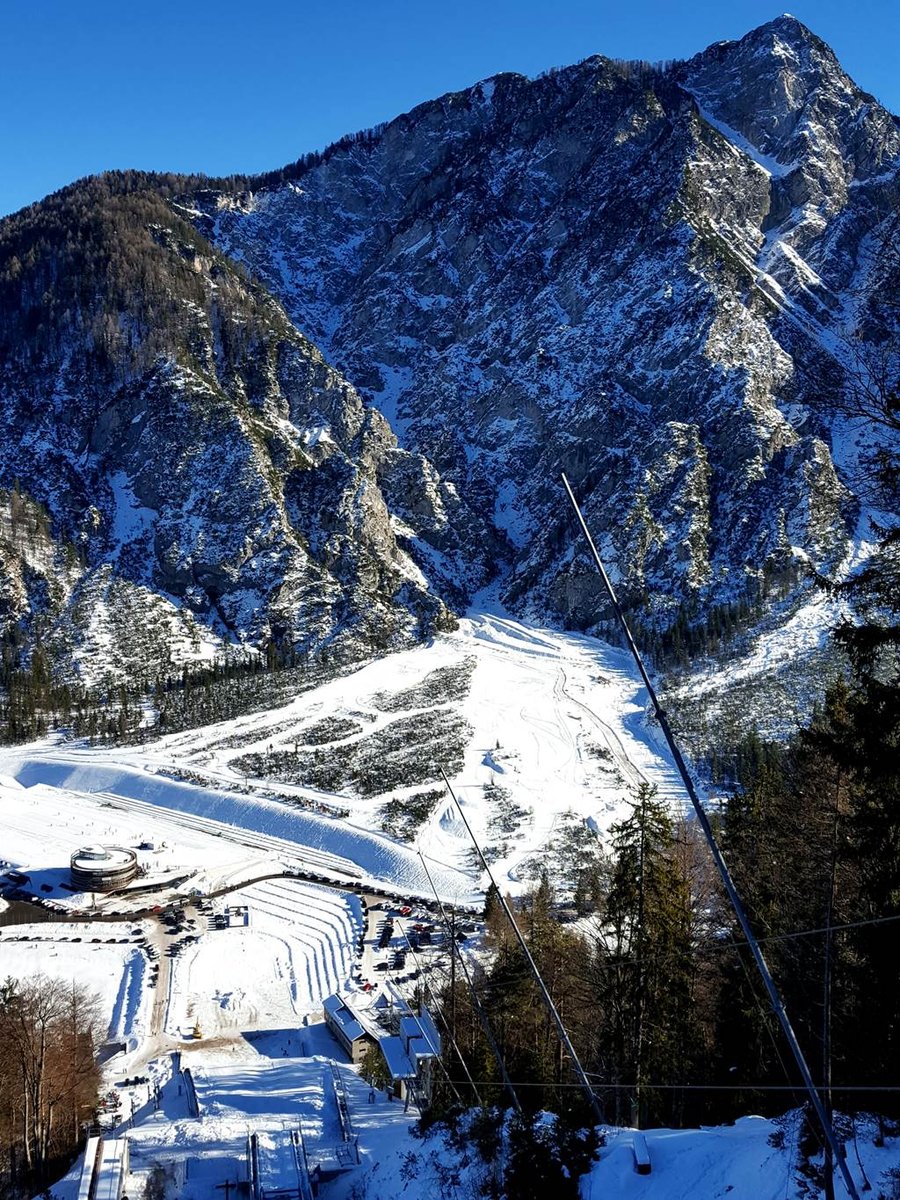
[{"x": 221, "y": 85}]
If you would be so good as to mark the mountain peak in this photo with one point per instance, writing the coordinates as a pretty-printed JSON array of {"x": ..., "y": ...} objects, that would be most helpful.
[
  {"x": 782, "y": 89},
  {"x": 775, "y": 37},
  {"x": 792, "y": 34},
  {"x": 789, "y": 24}
]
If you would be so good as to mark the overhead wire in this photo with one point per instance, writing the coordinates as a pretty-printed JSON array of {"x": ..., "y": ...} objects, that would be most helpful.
[
  {"x": 533, "y": 967},
  {"x": 766, "y": 1019},
  {"x": 791, "y": 935},
  {"x": 426, "y": 983},
  {"x": 479, "y": 1007},
  {"x": 703, "y": 820},
  {"x": 802, "y": 933},
  {"x": 861, "y": 1088}
]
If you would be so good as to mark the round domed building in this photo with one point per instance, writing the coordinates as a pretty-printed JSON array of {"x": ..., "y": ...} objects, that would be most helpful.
[{"x": 103, "y": 868}]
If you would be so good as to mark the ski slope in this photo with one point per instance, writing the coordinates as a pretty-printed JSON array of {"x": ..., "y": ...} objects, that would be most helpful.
[
  {"x": 89, "y": 780},
  {"x": 558, "y": 720}
]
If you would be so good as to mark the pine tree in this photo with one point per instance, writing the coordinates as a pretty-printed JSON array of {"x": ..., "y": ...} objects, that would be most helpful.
[{"x": 643, "y": 961}]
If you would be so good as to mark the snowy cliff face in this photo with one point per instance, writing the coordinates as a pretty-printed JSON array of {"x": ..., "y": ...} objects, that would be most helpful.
[
  {"x": 645, "y": 278},
  {"x": 193, "y": 473}
]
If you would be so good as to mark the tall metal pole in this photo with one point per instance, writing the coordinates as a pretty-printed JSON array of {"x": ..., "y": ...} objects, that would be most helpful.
[
  {"x": 548, "y": 1000},
  {"x": 722, "y": 866}
]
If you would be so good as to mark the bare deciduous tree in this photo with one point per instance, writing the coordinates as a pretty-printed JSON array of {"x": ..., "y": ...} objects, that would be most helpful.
[{"x": 49, "y": 1031}]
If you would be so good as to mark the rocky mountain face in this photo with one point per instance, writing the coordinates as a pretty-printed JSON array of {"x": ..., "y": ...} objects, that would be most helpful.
[
  {"x": 190, "y": 473},
  {"x": 330, "y": 404},
  {"x": 645, "y": 277}
]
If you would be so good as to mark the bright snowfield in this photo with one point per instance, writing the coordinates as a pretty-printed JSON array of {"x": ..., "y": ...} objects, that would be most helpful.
[
  {"x": 754, "y": 1159},
  {"x": 223, "y": 1015},
  {"x": 296, "y": 949},
  {"x": 795, "y": 631},
  {"x": 557, "y": 719},
  {"x": 102, "y": 955}
]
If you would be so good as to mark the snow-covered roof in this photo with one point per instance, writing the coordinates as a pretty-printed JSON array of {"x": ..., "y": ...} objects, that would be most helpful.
[
  {"x": 418, "y": 1039},
  {"x": 399, "y": 1064},
  {"x": 420, "y": 1035},
  {"x": 338, "y": 1012},
  {"x": 357, "y": 1013},
  {"x": 366, "y": 1010},
  {"x": 388, "y": 996}
]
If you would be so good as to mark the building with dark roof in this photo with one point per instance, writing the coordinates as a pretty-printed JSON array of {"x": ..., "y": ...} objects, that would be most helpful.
[{"x": 347, "y": 1029}]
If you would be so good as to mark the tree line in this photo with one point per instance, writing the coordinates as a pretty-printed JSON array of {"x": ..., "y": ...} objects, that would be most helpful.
[{"x": 33, "y": 702}]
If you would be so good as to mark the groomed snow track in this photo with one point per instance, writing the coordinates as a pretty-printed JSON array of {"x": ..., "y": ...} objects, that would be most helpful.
[{"x": 299, "y": 838}]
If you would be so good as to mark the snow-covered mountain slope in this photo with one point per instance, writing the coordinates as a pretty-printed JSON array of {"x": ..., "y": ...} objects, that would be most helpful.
[
  {"x": 544, "y": 735},
  {"x": 192, "y": 472},
  {"x": 662, "y": 280},
  {"x": 646, "y": 277}
]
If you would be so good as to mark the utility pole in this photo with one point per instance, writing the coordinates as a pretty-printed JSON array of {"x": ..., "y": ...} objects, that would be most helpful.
[
  {"x": 826, "y": 986},
  {"x": 453, "y": 973},
  {"x": 639, "y": 1054}
]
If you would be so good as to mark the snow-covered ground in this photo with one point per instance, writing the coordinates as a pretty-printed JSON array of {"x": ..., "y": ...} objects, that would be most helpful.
[
  {"x": 558, "y": 721},
  {"x": 44, "y": 824},
  {"x": 100, "y": 955},
  {"x": 283, "y": 1081},
  {"x": 296, "y": 948},
  {"x": 264, "y": 1084},
  {"x": 753, "y": 1159},
  {"x": 98, "y": 798}
]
